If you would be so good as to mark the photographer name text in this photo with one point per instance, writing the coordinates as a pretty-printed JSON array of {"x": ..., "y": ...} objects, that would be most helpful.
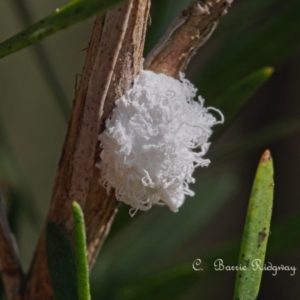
[{"x": 256, "y": 265}]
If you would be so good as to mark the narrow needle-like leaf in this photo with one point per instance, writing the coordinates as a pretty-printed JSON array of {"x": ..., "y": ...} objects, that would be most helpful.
[
  {"x": 81, "y": 254},
  {"x": 256, "y": 232},
  {"x": 73, "y": 12},
  {"x": 236, "y": 96}
]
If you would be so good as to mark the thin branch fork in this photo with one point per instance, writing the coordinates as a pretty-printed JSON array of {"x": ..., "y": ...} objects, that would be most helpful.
[
  {"x": 113, "y": 61},
  {"x": 189, "y": 31}
]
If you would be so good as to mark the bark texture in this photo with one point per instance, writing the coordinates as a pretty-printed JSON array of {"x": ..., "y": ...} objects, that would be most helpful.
[
  {"x": 190, "y": 30},
  {"x": 113, "y": 61}
]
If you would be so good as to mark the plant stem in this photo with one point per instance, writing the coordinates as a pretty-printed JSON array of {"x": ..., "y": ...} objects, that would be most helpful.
[{"x": 81, "y": 254}]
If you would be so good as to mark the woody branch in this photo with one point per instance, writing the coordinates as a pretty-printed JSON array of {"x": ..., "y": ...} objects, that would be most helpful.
[{"x": 113, "y": 60}]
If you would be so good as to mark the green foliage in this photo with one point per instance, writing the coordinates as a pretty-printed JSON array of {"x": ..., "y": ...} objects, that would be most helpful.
[
  {"x": 233, "y": 100},
  {"x": 68, "y": 267},
  {"x": 81, "y": 254},
  {"x": 256, "y": 232},
  {"x": 72, "y": 13}
]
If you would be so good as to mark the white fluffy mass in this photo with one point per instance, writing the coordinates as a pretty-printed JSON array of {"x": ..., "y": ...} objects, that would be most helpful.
[{"x": 148, "y": 146}]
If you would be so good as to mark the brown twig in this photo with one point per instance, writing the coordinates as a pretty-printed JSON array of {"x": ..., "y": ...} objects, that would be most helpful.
[
  {"x": 10, "y": 267},
  {"x": 113, "y": 60},
  {"x": 187, "y": 33}
]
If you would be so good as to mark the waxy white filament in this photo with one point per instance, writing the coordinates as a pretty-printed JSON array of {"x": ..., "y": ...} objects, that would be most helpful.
[{"x": 149, "y": 144}]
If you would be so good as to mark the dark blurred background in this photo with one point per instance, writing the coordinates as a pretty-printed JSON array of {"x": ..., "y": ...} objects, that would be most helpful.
[{"x": 254, "y": 34}]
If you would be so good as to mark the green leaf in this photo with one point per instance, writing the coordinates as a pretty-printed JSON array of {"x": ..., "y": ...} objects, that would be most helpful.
[
  {"x": 72, "y": 13},
  {"x": 256, "y": 232},
  {"x": 81, "y": 255},
  {"x": 237, "y": 95},
  {"x": 61, "y": 263}
]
